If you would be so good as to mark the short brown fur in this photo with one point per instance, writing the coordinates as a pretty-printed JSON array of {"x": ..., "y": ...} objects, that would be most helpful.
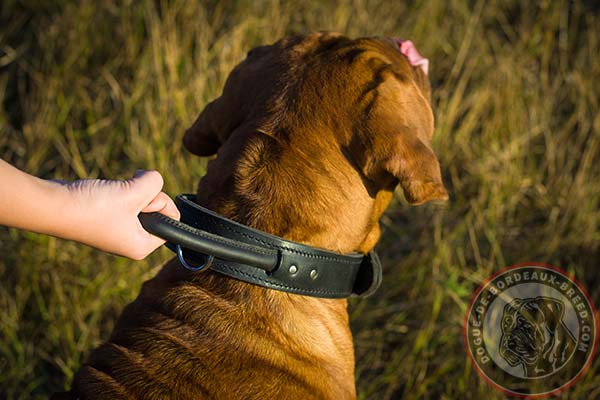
[{"x": 313, "y": 133}]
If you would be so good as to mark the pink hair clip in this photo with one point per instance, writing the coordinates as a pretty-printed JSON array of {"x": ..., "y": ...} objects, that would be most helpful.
[{"x": 414, "y": 58}]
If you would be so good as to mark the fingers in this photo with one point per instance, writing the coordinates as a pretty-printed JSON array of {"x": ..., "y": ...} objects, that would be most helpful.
[
  {"x": 145, "y": 187},
  {"x": 163, "y": 204}
]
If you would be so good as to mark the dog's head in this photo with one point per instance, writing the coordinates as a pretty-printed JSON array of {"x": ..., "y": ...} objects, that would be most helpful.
[
  {"x": 343, "y": 109},
  {"x": 529, "y": 328}
]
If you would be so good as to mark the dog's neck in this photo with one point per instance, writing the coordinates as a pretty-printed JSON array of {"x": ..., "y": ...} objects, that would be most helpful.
[{"x": 315, "y": 203}]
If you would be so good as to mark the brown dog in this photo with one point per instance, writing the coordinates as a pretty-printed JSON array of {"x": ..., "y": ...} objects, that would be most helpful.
[{"x": 313, "y": 133}]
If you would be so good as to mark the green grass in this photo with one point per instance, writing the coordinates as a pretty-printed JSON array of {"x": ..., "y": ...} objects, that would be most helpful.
[{"x": 100, "y": 89}]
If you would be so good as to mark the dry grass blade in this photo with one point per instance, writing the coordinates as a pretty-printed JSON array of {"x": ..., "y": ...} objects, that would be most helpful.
[{"x": 104, "y": 88}]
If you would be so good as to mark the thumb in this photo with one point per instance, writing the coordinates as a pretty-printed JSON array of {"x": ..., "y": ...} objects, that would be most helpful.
[{"x": 145, "y": 185}]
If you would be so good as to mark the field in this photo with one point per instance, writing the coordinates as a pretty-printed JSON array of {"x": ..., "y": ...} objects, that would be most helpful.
[{"x": 100, "y": 89}]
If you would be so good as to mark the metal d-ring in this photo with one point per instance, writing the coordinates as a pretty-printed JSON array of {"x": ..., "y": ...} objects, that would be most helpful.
[{"x": 207, "y": 263}]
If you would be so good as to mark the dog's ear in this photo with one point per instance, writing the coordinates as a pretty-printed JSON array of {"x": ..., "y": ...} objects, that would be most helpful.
[
  {"x": 222, "y": 116},
  {"x": 210, "y": 130},
  {"x": 246, "y": 90},
  {"x": 552, "y": 309},
  {"x": 400, "y": 126},
  {"x": 417, "y": 169}
]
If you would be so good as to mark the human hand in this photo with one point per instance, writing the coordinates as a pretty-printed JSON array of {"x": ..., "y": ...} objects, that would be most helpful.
[
  {"x": 99, "y": 213},
  {"x": 103, "y": 213}
]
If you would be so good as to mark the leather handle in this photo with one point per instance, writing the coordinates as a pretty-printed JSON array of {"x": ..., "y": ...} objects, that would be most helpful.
[{"x": 204, "y": 242}]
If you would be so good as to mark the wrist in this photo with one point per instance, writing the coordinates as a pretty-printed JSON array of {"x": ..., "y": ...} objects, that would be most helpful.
[{"x": 59, "y": 208}]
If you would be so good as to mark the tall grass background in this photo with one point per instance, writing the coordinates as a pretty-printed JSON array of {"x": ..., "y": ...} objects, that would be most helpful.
[{"x": 100, "y": 89}]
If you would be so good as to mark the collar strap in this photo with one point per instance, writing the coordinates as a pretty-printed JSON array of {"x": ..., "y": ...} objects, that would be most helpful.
[{"x": 260, "y": 258}]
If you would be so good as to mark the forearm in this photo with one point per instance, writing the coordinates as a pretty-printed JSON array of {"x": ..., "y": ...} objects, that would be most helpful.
[
  {"x": 31, "y": 203},
  {"x": 99, "y": 213}
]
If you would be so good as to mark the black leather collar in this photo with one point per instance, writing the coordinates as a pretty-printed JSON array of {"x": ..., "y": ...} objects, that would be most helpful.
[{"x": 266, "y": 260}]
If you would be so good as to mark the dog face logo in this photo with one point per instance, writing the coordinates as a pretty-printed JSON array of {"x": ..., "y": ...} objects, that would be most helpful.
[
  {"x": 531, "y": 330},
  {"x": 535, "y": 336}
]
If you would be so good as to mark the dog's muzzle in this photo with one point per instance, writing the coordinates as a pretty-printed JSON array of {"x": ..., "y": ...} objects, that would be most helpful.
[{"x": 208, "y": 240}]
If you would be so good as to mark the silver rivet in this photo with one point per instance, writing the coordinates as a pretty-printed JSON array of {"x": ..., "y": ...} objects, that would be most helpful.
[
  {"x": 313, "y": 274},
  {"x": 293, "y": 269}
]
